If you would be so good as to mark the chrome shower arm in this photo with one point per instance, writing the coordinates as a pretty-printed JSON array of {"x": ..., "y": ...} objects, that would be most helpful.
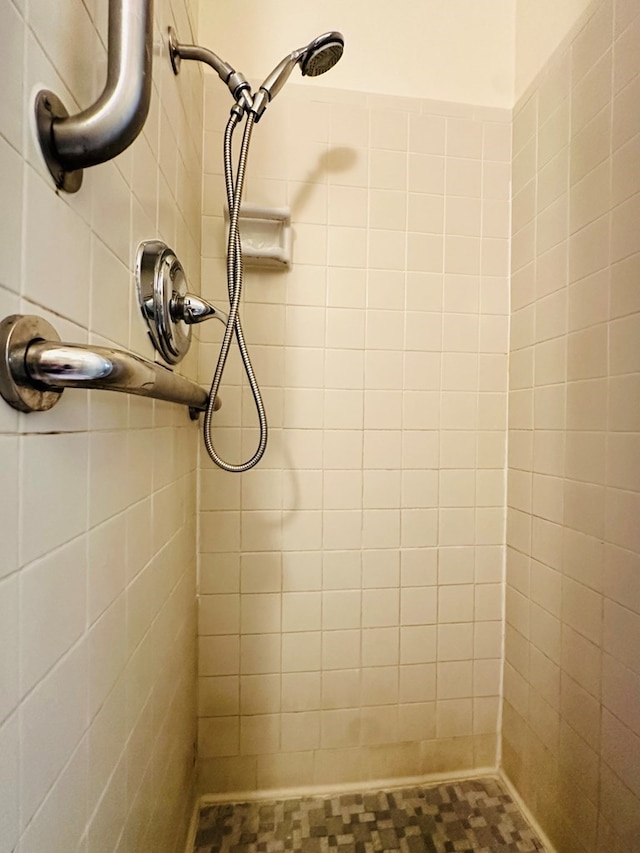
[
  {"x": 235, "y": 82},
  {"x": 179, "y": 52},
  {"x": 106, "y": 129}
]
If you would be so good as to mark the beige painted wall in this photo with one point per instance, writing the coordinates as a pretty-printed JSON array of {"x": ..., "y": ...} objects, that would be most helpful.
[
  {"x": 458, "y": 51},
  {"x": 421, "y": 52},
  {"x": 540, "y": 27}
]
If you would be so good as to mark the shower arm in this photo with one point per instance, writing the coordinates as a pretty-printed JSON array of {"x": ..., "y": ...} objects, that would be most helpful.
[
  {"x": 101, "y": 132},
  {"x": 235, "y": 82}
]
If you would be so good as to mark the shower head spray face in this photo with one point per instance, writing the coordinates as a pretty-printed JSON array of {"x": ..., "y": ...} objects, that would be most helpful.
[
  {"x": 317, "y": 57},
  {"x": 322, "y": 54}
]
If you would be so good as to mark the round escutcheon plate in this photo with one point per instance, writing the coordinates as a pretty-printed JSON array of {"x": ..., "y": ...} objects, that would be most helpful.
[{"x": 160, "y": 279}]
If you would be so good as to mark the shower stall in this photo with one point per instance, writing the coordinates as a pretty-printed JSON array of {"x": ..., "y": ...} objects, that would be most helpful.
[{"x": 431, "y": 573}]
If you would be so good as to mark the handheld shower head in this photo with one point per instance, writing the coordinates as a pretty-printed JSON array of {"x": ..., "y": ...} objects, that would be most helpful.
[
  {"x": 322, "y": 54},
  {"x": 315, "y": 58}
]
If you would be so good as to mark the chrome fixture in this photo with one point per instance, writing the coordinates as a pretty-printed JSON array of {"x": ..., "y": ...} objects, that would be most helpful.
[
  {"x": 106, "y": 129},
  {"x": 235, "y": 81},
  {"x": 165, "y": 304},
  {"x": 317, "y": 57},
  {"x": 235, "y": 278},
  {"x": 35, "y": 367}
]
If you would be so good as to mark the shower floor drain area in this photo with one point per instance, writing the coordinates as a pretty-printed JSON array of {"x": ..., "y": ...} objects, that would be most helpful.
[{"x": 475, "y": 815}]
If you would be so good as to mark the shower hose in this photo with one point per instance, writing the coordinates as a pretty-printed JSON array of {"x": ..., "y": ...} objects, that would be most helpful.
[{"x": 234, "y": 286}]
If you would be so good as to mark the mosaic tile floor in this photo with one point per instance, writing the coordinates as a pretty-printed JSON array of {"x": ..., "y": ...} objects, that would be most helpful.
[{"x": 468, "y": 816}]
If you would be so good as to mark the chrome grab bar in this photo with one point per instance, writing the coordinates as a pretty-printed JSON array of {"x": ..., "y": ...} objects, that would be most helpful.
[
  {"x": 104, "y": 130},
  {"x": 35, "y": 367}
]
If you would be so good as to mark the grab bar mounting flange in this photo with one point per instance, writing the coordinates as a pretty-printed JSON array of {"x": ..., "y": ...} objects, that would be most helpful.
[
  {"x": 48, "y": 108},
  {"x": 71, "y": 143}
]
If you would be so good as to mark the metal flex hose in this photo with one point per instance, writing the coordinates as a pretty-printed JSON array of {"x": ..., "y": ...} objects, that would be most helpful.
[{"x": 234, "y": 285}]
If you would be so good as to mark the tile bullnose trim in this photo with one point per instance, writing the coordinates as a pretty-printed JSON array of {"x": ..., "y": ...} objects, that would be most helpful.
[{"x": 349, "y": 787}]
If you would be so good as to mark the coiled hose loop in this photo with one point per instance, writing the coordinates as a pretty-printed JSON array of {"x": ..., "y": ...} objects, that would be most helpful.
[{"x": 234, "y": 286}]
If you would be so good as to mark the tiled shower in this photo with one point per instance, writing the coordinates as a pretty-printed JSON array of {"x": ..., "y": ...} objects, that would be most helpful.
[
  {"x": 351, "y": 587},
  {"x": 98, "y": 521},
  {"x": 570, "y": 727},
  {"x": 434, "y": 570}
]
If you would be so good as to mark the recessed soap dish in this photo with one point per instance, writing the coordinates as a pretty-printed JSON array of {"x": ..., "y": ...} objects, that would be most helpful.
[{"x": 265, "y": 235}]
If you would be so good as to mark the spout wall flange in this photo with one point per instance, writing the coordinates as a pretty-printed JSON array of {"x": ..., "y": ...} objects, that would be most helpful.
[{"x": 17, "y": 333}]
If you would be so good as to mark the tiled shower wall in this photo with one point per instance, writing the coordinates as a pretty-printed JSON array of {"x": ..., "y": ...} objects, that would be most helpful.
[
  {"x": 350, "y": 593},
  {"x": 97, "y": 505},
  {"x": 571, "y": 734}
]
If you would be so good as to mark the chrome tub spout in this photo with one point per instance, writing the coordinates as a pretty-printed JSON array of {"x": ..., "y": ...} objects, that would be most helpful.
[{"x": 35, "y": 367}]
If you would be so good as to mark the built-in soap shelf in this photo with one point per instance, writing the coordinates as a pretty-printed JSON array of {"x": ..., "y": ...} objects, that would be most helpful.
[{"x": 265, "y": 235}]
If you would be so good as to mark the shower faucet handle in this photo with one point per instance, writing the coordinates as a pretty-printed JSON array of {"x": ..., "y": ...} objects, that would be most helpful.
[
  {"x": 193, "y": 309},
  {"x": 168, "y": 309}
]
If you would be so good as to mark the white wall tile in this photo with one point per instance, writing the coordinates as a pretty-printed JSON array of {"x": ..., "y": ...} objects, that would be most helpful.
[
  {"x": 341, "y": 609},
  {"x": 9, "y": 751},
  {"x": 66, "y": 576},
  {"x": 61, "y": 697},
  {"x": 341, "y": 689},
  {"x": 46, "y": 632},
  {"x": 10, "y": 692},
  {"x": 43, "y": 470},
  {"x": 260, "y": 653},
  {"x": 417, "y": 683},
  {"x": 570, "y": 622},
  {"x": 11, "y": 240},
  {"x": 340, "y": 649},
  {"x": 371, "y": 416}
]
